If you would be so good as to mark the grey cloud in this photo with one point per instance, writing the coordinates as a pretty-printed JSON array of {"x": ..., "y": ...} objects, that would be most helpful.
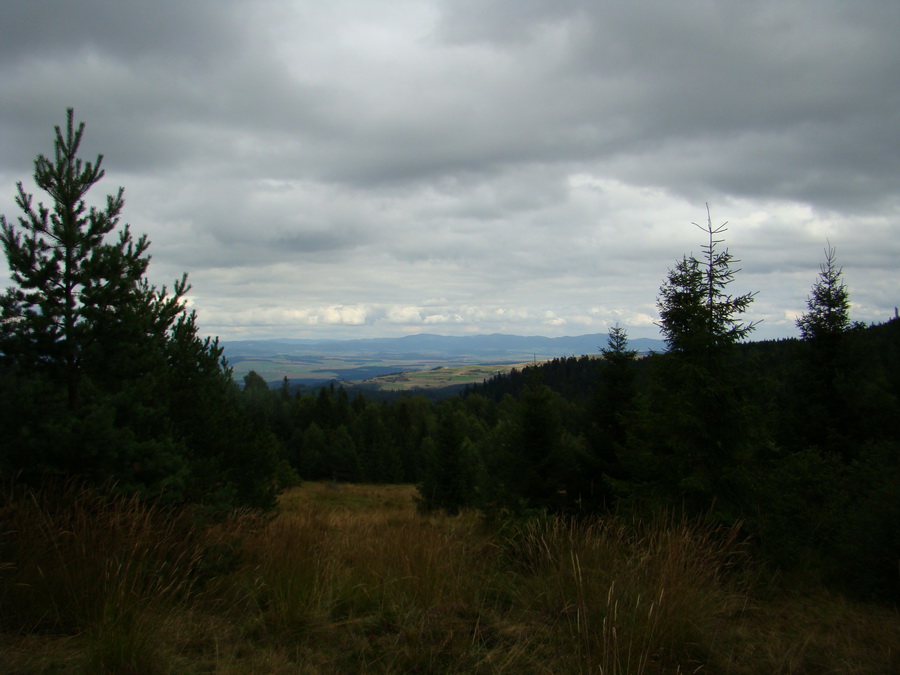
[
  {"x": 172, "y": 81},
  {"x": 496, "y": 21},
  {"x": 405, "y": 160},
  {"x": 816, "y": 93},
  {"x": 163, "y": 29}
]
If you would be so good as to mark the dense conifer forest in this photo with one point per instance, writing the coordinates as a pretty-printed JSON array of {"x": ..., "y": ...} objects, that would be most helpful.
[{"x": 793, "y": 443}]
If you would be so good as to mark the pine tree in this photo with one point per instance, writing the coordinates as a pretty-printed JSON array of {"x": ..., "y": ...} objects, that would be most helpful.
[
  {"x": 829, "y": 371},
  {"x": 697, "y": 315},
  {"x": 147, "y": 403},
  {"x": 615, "y": 392},
  {"x": 616, "y": 350},
  {"x": 72, "y": 286},
  {"x": 828, "y": 308},
  {"x": 612, "y": 400},
  {"x": 698, "y": 429}
]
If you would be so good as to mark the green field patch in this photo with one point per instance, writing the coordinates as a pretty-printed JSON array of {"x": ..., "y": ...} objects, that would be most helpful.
[{"x": 442, "y": 376}]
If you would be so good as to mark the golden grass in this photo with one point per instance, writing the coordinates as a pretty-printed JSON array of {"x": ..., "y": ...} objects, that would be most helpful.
[
  {"x": 350, "y": 579},
  {"x": 380, "y": 501}
]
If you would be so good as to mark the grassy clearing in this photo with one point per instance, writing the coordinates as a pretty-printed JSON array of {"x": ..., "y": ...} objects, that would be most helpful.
[
  {"x": 349, "y": 579},
  {"x": 436, "y": 378}
]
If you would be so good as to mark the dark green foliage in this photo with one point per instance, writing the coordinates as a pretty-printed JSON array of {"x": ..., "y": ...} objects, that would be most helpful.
[
  {"x": 612, "y": 401},
  {"x": 253, "y": 382},
  {"x": 572, "y": 377},
  {"x": 827, "y": 313},
  {"x": 380, "y": 457},
  {"x": 71, "y": 286},
  {"x": 802, "y": 501},
  {"x": 536, "y": 462},
  {"x": 868, "y": 537},
  {"x": 410, "y": 421},
  {"x": 828, "y": 388},
  {"x": 341, "y": 456},
  {"x": 537, "y": 434},
  {"x": 453, "y": 467},
  {"x": 841, "y": 521},
  {"x": 697, "y": 429},
  {"x": 697, "y": 316},
  {"x": 104, "y": 375},
  {"x": 616, "y": 351},
  {"x": 308, "y": 453},
  {"x": 692, "y": 440}
]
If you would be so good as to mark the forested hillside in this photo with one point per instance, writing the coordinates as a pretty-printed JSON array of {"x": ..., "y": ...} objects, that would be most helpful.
[{"x": 804, "y": 453}]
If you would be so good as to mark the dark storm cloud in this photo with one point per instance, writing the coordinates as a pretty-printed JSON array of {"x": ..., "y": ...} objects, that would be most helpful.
[
  {"x": 174, "y": 82},
  {"x": 736, "y": 98}
]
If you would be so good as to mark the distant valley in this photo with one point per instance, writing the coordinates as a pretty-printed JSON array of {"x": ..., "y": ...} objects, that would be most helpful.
[{"x": 312, "y": 362}]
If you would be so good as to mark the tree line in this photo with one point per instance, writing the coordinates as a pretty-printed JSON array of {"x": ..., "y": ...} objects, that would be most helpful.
[{"x": 103, "y": 376}]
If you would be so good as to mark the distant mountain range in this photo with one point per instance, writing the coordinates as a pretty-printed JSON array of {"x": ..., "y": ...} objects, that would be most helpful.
[{"x": 430, "y": 347}]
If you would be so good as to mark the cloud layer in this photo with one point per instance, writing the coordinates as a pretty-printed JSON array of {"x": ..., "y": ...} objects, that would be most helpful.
[{"x": 363, "y": 169}]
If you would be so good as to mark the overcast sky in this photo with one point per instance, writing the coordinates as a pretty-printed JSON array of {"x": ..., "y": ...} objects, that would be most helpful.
[{"x": 372, "y": 168}]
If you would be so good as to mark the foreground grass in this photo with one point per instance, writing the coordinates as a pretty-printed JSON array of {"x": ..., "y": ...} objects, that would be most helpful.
[{"x": 349, "y": 579}]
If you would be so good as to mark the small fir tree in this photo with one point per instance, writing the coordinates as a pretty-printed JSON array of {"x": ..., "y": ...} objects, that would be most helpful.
[
  {"x": 697, "y": 315},
  {"x": 616, "y": 350},
  {"x": 825, "y": 418},
  {"x": 697, "y": 430},
  {"x": 616, "y": 388},
  {"x": 611, "y": 401},
  {"x": 828, "y": 307}
]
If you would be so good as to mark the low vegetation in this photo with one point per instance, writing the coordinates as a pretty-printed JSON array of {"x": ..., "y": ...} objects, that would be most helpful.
[{"x": 352, "y": 578}]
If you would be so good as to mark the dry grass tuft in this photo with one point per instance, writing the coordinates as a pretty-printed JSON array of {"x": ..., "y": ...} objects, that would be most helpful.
[
  {"x": 104, "y": 568},
  {"x": 628, "y": 598}
]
